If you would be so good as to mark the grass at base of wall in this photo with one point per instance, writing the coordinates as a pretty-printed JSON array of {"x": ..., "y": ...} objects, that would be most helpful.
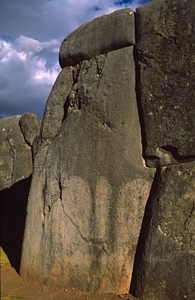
[
  {"x": 6, "y": 297},
  {"x": 4, "y": 261}
]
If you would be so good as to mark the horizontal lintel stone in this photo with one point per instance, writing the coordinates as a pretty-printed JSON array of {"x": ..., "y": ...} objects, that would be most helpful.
[{"x": 99, "y": 36}]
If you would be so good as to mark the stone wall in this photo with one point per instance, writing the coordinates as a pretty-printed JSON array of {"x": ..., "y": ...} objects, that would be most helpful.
[
  {"x": 111, "y": 204},
  {"x": 165, "y": 53},
  {"x": 16, "y": 164},
  {"x": 89, "y": 178}
]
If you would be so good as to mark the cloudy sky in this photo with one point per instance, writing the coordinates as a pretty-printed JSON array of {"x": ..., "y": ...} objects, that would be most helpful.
[{"x": 31, "y": 32}]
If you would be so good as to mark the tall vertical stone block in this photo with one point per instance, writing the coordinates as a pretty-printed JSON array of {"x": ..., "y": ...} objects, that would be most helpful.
[
  {"x": 54, "y": 110},
  {"x": 166, "y": 268},
  {"x": 16, "y": 166},
  {"x": 90, "y": 186},
  {"x": 16, "y": 157},
  {"x": 166, "y": 57}
]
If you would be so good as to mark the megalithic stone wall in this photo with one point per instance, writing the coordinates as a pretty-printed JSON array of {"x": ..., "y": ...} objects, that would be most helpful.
[
  {"x": 165, "y": 262},
  {"x": 166, "y": 55},
  {"x": 118, "y": 97},
  {"x": 16, "y": 166},
  {"x": 90, "y": 185},
  {"x": 16, "y": 137}
]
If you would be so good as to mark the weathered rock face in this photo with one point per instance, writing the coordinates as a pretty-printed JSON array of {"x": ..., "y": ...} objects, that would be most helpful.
[
  {"x": 89, "y": 182},
  {"x": 100, "y": 36},
  {"x": 30, "y": 127},
  {"x": 165, "y": 259},
  {"x": 90, "y": 185},
  {"x": 54, "y": 111},
  {"x": 16, "y": 136},
  {"x": 16, "y": 158},
  {"x": 166, "y": 268},
  {"x": 166, "y": 56}
]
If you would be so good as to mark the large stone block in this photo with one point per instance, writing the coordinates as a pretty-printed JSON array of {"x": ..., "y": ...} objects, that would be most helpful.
[
  {"x": 30, "y": 127},
  {"x": 166, "y": 57},
  {"x": 54, "y": 111},
  {"x": 100, "y": 36},
  {"x": 166, "y": 267},
  {"x": 90, "y": 185},
  {"x": 16, "y": 135},
  {"x": 16, "y": 157}
]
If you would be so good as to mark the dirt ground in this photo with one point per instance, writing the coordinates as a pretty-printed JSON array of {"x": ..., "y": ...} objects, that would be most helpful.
[{"x": 13, "y": 287}]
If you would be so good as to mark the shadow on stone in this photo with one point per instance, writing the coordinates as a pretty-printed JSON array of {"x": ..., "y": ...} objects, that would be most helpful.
[
  {"x": 138, "y": 97},
  {"x": 143, "y": 235},
  {"x": 13, "y": 203}
]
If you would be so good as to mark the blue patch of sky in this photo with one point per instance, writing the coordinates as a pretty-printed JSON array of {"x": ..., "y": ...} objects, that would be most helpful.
[
  {"x": 97, "y": 8},
  {"x": 49, "y": 57},
  {"x": 121, "y": 2},
  {"x": 7, "y": 38},
  {"x": 129, "y": 2}
]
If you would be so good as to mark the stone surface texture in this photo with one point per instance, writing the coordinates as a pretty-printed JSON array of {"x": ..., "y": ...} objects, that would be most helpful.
[
  {"x": 100, "y": 36},
  {"x": 54, "y": 111},
  {"x": 166, "y": 55},
  {"x": 97, "y": 218},
  {"x": 16, "y": 158},
  {"x": 89, "y": 186},
  {"x": 30, "y": 127},
  {"x": 167, "y": 264}
]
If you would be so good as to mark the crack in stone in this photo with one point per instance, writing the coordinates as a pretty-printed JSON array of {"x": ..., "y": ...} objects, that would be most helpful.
[
  {"x": 13, "y": 154},
  {"x": 78, "y": 96},
  {"x": 166, "y": 156},
  {"x": 86, "y": 65},
  {"x": 189, "y": 216},
  {"x": 75, "y": 72},
  {"x": 84, "y": 238},
  {"x": 99, "y": 244},
  {"x": 187, "y": 227},
  {"x": 99, "y": 66},
  {"x": 60, "y": 187}
]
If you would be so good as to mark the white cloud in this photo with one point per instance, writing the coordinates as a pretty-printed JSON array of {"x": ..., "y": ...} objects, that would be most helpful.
[
  {"x": 24, "y": 74},
  {"x": 26, "y": 58},
  {"x": 30, "y": 42}
]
